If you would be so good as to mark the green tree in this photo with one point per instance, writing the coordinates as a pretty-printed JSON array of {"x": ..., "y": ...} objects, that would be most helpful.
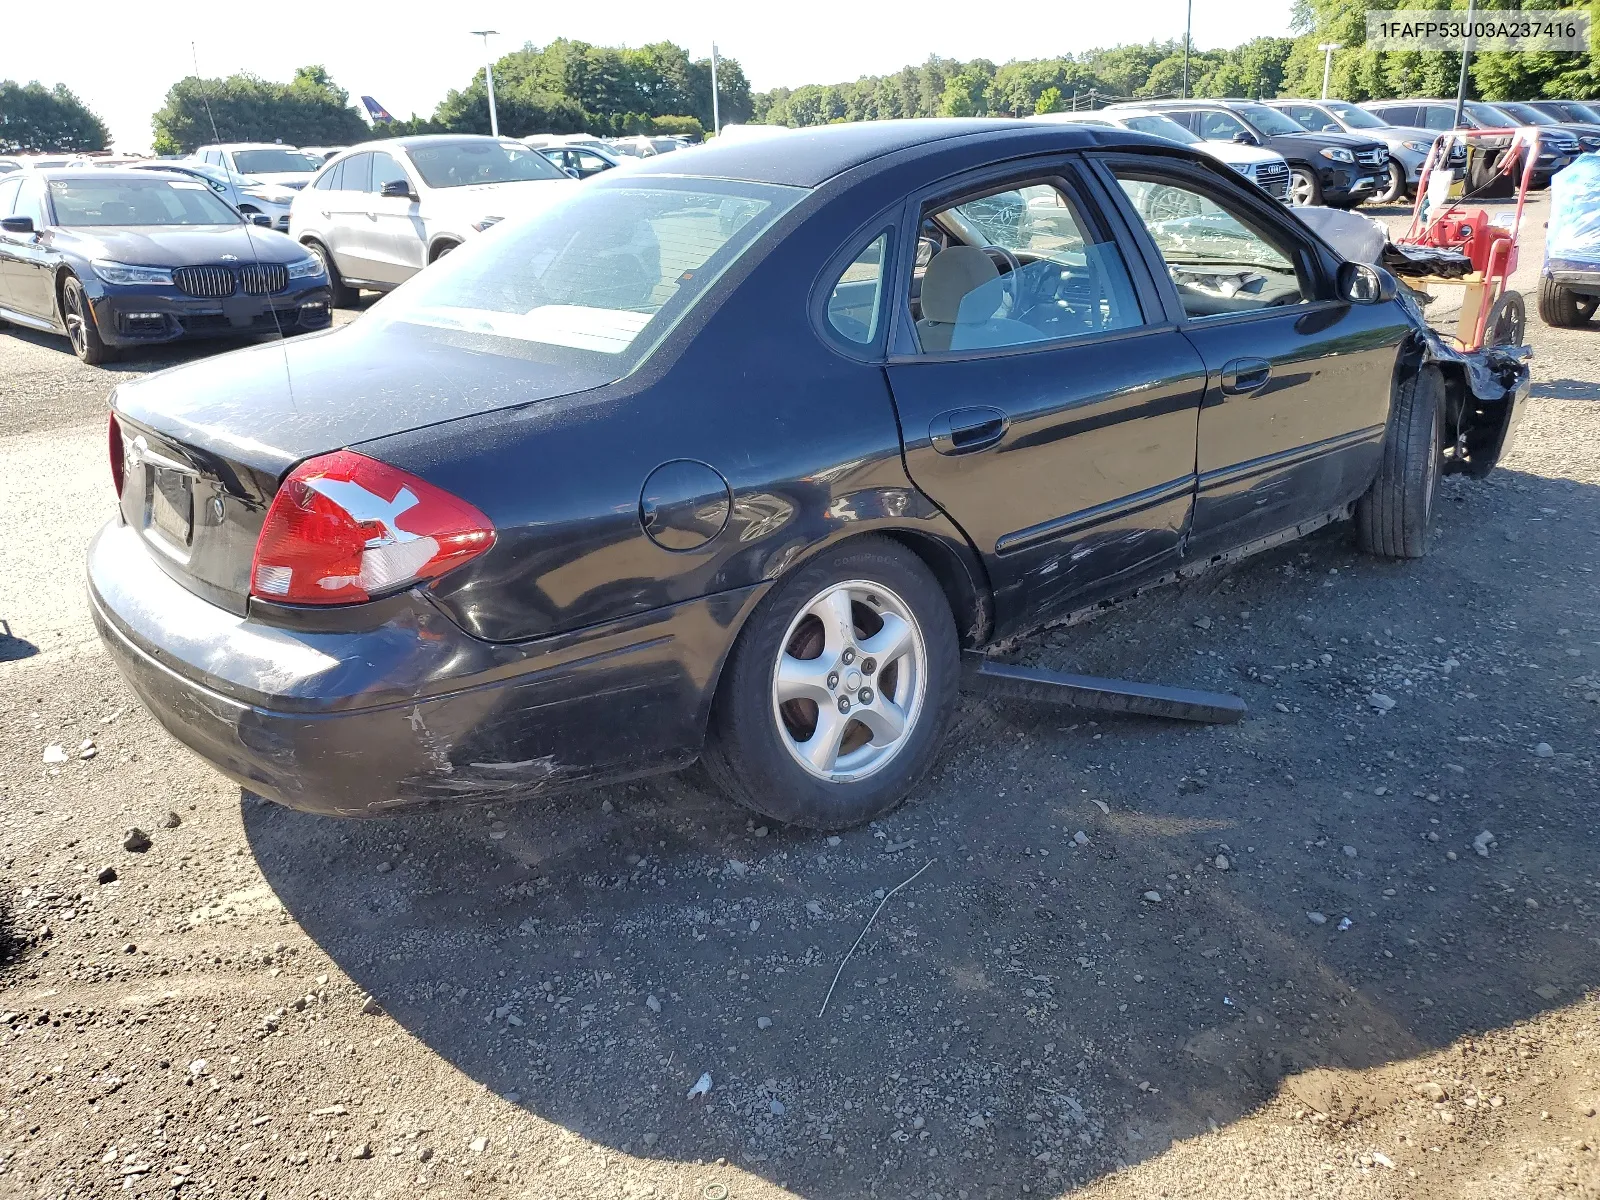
[
  {"x": 309, "y": 110},
  {"x": 1049, "y": 101},
  {"x": 36, "y": 119}
]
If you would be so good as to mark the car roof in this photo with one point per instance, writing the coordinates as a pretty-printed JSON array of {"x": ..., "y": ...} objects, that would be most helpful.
[
  {"x": 810, "y": 156},
  {"x": 433, "y": 139},
  {"x": 245, "y": 146}
]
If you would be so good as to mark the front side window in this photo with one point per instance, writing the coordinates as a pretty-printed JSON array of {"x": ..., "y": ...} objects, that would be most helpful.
[
  {"x": 596, "y": 280},
  {"x": 1269, "y": 120},
  {"x": 8, "y": 194},
  {"x": 1221, "y": 262},
  {"x": 1312, "y": 118},
  {"x": 1161, "y": 126},
  {"x": 479, "y": 160},
  {"x": 1220, "y": 126},
  {"x": 386, "y": 170},
  {"x": 1437, "y": 116},
  {"x": 1016, "y": 266},
  {"x": 855, "y": 301},
  {"x": 153, "y": 201},
  {"x": 1353, "y": 117},
  {"x": 274, "y": 161},
  {"x": 30, "y": 202}
]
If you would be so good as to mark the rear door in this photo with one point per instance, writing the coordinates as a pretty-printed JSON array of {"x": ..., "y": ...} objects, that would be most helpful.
[
  {"x": 1045, "y": 401},
  {"x": 1298, "y": 381},
  {"x": 344, "y": 209}
]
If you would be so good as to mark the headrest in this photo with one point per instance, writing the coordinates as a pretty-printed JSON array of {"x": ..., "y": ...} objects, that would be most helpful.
[{"x": 954, "y": 274}]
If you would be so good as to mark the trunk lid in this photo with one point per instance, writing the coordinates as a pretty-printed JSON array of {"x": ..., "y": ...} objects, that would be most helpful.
[{"x": 205, "y": 445}]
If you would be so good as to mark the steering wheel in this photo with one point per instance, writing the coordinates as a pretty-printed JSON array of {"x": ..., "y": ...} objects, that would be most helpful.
[{"x": 1009, "y": 281}]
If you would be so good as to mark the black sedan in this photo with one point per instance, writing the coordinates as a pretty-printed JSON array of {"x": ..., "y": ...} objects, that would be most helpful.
[
  {"x": 729, "y": 456},
  {"x": 116, "y": 258}
]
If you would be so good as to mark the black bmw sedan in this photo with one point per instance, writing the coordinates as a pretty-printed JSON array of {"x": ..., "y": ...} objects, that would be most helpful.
[
  {"x": 115, "y": 258},
  {"x": 729, "y": 456}
]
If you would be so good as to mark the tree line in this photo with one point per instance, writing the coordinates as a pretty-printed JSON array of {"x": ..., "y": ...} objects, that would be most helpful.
[{"x": 576, "y": 87}]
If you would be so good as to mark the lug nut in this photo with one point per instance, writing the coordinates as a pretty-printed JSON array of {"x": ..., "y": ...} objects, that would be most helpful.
[
  {"x": 868, "y": 665},
  {"x": 866, "y": 695},
  {"x": 833, "y": 679},
  {"x": 849, "y": 656},
  {"x": 844, "y": 704}
]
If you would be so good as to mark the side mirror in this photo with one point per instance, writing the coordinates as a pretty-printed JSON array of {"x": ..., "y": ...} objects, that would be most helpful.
[
  {"x": 1245, "y": 138},
  {"x": 1363, "y": 283},
  {"x": 572, "y": 172},
  {"x": 261, "y": 219},
  {"x": 17, "y": 224},
  {"x": 398, "y": 189}
]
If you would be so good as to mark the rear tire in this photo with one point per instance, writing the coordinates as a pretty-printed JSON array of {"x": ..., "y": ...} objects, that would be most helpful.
[
  {"x": 78, "y": 316},
  {"x": 342, "y": 295},
  {"x": 769, "y": 743},
  {"x": 1392, "y": 519},
  {"x": 1561, "y": 306}
]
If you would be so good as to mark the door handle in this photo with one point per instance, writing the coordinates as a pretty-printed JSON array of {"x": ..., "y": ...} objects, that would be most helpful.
[
  {"x": 967, "y": 430},
  {"x": 1241, "y": 376}
]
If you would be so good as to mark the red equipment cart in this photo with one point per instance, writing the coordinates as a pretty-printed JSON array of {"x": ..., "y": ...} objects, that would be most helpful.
[{"x": 1491, "y": 313}]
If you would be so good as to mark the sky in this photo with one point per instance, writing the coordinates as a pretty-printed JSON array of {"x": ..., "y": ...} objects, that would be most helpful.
[{"x": 122, "y": 57}]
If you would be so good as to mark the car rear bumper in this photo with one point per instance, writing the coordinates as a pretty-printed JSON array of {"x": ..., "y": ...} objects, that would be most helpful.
[
  {"x": 145, "y": 316},
  {"x": 408, "y": 710}
]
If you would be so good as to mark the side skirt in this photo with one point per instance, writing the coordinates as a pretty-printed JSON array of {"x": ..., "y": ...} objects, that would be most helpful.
[{"x": 1189, "y": 570}]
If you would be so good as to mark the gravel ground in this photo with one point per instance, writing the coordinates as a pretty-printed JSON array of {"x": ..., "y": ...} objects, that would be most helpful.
[{"x": 1133, "y": 958}]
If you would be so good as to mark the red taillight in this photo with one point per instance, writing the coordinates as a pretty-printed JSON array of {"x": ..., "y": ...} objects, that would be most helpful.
[
  {"x": 114, "y": 438},
  {"x": 344, "y": 528}
]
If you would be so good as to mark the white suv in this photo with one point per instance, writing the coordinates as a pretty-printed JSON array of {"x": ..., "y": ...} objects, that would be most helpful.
[
  {"x": 270, "y": 162},
  {"x": 378, "y": 214}
]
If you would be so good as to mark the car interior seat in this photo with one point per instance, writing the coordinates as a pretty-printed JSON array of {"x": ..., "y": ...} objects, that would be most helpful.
[{"x": 961, "y": 295}]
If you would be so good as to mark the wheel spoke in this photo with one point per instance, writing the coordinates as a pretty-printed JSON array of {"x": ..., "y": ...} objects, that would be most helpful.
[
  {"x": 885, "y": 718},
  {"x": 821, "y": 750},
  {"x": 804, "y": 679},
  {"x": 838, "y": 622},
  {"x": 890, "y": 642}
]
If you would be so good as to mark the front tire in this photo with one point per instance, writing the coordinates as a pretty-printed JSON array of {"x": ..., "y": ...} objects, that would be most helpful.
[
  {"x": 1305, "y": 189},
  {"x": 1392, "y": 519},
  {"x": 1397, "y": 189},
  {"x": 342, "y": 295},
  {"x": 837, "y": 695},
  {"x": 1561, "y": 306},
  {"x": 78, "y": 316}
]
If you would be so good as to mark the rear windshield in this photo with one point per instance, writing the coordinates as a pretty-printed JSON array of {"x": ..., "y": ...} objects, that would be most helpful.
[
  {"x": 597, "y": 279},
  {"x": 473, "y": 160},
  {"x": 275, "y": 162},
  {"x": 152, "y": 201}
]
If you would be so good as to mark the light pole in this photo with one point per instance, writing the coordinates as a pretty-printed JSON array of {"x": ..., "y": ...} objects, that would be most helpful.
[
  {"x": 1188, "y": 26},
  {"x": 716, "y": 113},
  {"x": 488, "y": 77},
  {"x": 1327, "y": 49},
  {"x": 1466, "y": 57}
]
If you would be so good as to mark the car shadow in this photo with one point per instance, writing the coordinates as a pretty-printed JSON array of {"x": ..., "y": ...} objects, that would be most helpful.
[
  {"x": 1566, "y": 389},
  {"x": 1246, "y": 902}
]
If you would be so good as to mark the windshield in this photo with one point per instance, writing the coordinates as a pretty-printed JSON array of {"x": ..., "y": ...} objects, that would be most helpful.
[
  {"x": 597, "y": 279},
  {"x": 275, "y": 162},
  {"x": 88, "y": 202},
  {"x": 1488, "y": 116},
  {"x": 1355, "y": 118},
  {"x": 1161, "y": 127},
  {"x": 479, "y": 160},
  {"x": 1269, "y": 120},
  {"x": 1527, "y": 115},
  {"x": 1579, "y": 112}
]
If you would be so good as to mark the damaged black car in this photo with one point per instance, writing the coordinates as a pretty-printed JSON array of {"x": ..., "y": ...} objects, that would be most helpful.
[{"x": 732, "y": 456}]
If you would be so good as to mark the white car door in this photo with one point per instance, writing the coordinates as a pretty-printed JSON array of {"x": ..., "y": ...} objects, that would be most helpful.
[{"x": 347, "y": 216}]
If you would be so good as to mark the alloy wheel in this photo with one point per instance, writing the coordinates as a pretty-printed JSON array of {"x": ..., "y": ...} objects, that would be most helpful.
[
  {"x": 1302, "y": 189},
  {"x": 850, "y": 680},
  {"x": 76, "y": 331}
]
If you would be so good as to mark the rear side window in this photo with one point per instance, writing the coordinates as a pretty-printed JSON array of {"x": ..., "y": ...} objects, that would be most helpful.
[
  {"x": 357, "y": 174},
  {"x": 857, "y": 296}
]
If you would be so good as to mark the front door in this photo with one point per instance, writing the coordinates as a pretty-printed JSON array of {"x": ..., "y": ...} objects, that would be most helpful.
[
  {"x": 401, "y": 246},
  {"x": 25, "y": 258},
  {"x": 1045, "y": 403},
  {"x": 1299, "y": 381}
]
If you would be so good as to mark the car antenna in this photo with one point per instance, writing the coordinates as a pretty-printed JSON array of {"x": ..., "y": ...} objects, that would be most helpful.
[{"x": 249, "y": 227}]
